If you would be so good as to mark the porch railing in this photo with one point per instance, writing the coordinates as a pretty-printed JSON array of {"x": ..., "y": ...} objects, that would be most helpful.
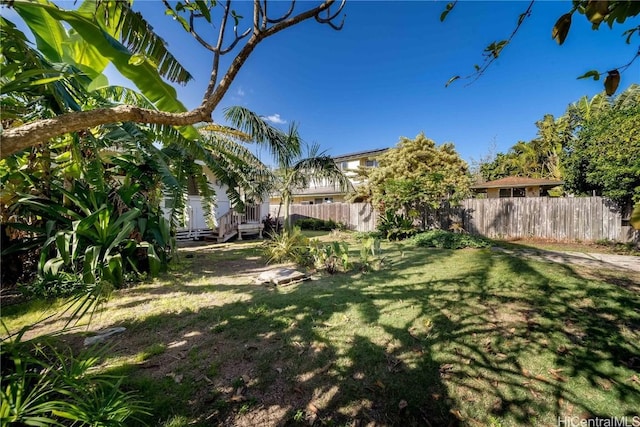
[
  {"x": 251, "y": 214},
  {"x": 227, "y": 224}
]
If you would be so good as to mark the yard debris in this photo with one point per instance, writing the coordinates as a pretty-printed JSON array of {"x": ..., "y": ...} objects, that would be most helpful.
[
  {"x": 103, "y": 335},
  {"x": 445, "y": 370},
  {"x": 403, "y": 404},
  {"x": 555, "y": 373}
]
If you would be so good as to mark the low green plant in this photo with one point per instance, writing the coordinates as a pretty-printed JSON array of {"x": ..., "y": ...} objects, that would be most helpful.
[
  {"x": 332, "y": 257},
  {"x": 298, "y": 417},
  {"x": 447, "y": 240},
  {"x": 394, "y": 226},
  {"x": 370, "y": 254},
  {"x": 44, "y": 384},
  {"x": 287, "y": 246}
]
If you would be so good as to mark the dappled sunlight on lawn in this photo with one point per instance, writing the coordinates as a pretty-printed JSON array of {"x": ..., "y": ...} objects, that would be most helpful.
[{"x": 439, "y": 337}]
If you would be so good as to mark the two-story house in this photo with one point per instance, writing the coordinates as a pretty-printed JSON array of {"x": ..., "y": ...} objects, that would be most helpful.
[{"x": 321, "y": 191}]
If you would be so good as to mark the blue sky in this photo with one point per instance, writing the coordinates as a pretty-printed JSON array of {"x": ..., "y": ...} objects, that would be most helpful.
[{"x": 383, "y": 76}]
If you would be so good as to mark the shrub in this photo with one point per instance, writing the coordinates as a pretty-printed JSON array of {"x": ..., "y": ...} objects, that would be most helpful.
[
  {"x": 333, "y": 257},
  {"x": 319, "y": 224},
  {"x": 394, "y": 226},
  {"x": 448, "y": 240},
  {"x": 288, "y": 246}
]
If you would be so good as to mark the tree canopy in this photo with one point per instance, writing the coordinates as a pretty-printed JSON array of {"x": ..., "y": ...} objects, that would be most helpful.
[
  {"x": 593, "y": 147},
  {"x": 603, "y": 157},
  {"x": 414, "y": 176}
]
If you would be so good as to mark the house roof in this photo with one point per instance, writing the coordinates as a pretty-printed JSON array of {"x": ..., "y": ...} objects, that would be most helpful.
[
  {"x": 517, "y": 182},
  {"x": 359, "y": 154}
]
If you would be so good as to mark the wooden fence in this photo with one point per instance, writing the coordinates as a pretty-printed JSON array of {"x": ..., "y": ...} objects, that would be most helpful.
[
  {"x": 561, "y": 219},
  {"x": 356, "y": 216}
]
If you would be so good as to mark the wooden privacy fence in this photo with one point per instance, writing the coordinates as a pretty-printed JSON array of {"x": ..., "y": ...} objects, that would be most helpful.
[
  {"x": 356, "y": 216},
  {"x": 562, "y": 219}
]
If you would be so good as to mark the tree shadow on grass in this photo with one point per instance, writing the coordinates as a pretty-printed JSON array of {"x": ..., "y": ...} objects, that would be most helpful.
[{"x": 439, "y": 338}]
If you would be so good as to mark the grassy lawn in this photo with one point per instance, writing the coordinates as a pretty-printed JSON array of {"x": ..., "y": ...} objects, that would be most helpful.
[{"x": 439, "y": 337}]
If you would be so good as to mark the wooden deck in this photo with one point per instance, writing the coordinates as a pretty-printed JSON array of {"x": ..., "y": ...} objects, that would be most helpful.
[{"x": 230, "y": 225}]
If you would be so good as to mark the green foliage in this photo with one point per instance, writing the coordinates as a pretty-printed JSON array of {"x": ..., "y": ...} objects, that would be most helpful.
[
  {"x": 603, "y": 157},
  {"x": 395, "y": 226},
  {"x": 416, "y": 176},
  {"x": 538, "y": 158},
  {"x": 288, "y": 246},
  {"x": 371, "y": 254},
  {"x": 332, "y": 257},
  {"x": 319, "y": 224},
  {"x": 44, "y": 385},
  {"x": 447, "y": 240},
  {"x": 91, "y": 47},
  {"x": 595, "y": 11}
]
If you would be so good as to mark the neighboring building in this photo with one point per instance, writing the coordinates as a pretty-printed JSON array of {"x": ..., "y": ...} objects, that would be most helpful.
[
  {"x": 228, "y": 224},
  {"x": 320, "y": 192},
  {"x": 515, "y": 186}
]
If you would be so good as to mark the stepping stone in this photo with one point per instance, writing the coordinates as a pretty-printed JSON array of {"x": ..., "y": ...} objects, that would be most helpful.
[{"x": 280, "y": 276}]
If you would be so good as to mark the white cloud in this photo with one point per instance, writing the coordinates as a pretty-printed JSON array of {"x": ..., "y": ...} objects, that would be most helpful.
[
  {"x": 240, "y": 92},
  {"x": 275, "y": 118}
]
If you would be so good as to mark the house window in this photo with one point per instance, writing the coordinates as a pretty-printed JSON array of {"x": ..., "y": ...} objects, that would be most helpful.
[
  {"x": 328, "y": 200},
  {"x": 344, "y": 165},
  {"x": 192, "y": 186},
  {"x": 519, "y": 192},
  {"x": 371, "y": 163},
  {"x": 505, "y": 192},
  {"x": 317, "y": 201}
]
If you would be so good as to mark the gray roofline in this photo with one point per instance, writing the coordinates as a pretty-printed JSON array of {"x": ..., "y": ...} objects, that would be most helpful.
[{"x": 360, "y": 154}]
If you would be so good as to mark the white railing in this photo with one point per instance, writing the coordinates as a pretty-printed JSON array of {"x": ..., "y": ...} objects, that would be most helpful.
[{"x": 251, "y": 214}]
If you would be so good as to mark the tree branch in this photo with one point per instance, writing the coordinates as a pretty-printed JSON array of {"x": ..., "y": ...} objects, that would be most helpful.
[{"x": 38, "y": 132}]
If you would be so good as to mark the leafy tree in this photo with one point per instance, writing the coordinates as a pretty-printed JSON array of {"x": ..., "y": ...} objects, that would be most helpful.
[
  {"x": 414, "y": 176},
  {"x": 538, "y": 158},
  {"x": 101, "y": 32},
  {"x": 603, "y": 157}
]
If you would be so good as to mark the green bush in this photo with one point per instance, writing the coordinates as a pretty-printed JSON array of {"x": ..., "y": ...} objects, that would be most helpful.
[
  {"x": 287, "y": 246},
  {"x": 448, "y": 240},
  {"x": 320, "y": 224},
  {"x": 394, "y": 226},
  {"x": 332, "y": 257}
]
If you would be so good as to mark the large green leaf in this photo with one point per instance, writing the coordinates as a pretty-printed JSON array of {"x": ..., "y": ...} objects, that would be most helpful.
[
  {"x": 144, "y": 76},
  {"x": 48, "y": 32}
]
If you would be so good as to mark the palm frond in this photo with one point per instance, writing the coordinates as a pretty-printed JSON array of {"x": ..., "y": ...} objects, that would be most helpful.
[
  {"x": 319, "y": 165},
  {"x": 279, "y": 144},
  {"x": 138, "y": 36}
]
